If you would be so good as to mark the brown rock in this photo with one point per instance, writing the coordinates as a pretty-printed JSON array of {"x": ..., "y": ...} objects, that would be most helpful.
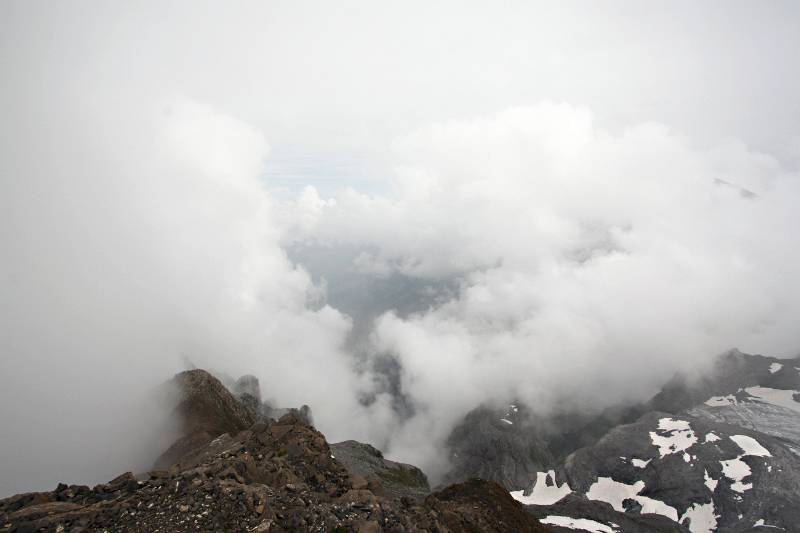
[
  {"x": 358, "y": 496},
  {"x": 358, "y": 482},
  {"x": 367, "y": 526}
]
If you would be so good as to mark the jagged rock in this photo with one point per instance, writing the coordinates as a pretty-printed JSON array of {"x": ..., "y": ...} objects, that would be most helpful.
[
  {"x": 731, "y": 372},
  {"x": 205, "y": 404},
  {"x": 205, "y": 410},
  {"x": 248, "y": 390},
  {"x": 394, "y": 479},
  {"x": 501, "y": 445},
  {"x": 273, "y": 477},
  {"x": 692, "y": 468},
  {"x": 478, "y": 505},
  {"x": 267, "y": 412}
]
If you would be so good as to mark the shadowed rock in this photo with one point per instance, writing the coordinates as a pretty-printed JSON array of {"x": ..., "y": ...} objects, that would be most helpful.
[
  {"x": 396, "y": 479},
  {"x": 205, "y": 409}
]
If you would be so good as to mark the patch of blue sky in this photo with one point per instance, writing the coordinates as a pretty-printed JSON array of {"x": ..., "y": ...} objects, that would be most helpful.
[{"x": 292, "y": 168}]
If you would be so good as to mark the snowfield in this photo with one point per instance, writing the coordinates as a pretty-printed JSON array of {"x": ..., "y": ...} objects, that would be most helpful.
[
  {"x": 545, "y": 490},
  {"x": 583, "y": 524},
  {"x": 673, "y": 436}
]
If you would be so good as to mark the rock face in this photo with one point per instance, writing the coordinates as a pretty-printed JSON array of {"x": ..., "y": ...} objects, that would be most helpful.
[
  {"x": 204, "y": 409},
  {"x": 700, "y": 473},
  {"x": 275, "y": 476},
  {"x": 205, "y": 404},
  {"x": 499, "y": 445},
  {"x": 732, "y": 372},
  {"x": 248, "y": 390},
  {"x": 395, "y": 479},
  {"x": 478, "y": 506},
  {"x": 722, "y": 457}
]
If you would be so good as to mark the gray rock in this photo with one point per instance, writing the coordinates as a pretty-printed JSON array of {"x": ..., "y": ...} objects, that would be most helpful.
[
  {"x": 502, "y": 445},
  {"x": 701, "y": 474},
  {"x": 248, "y": 390},
  {"x": 396, "y": 479}
]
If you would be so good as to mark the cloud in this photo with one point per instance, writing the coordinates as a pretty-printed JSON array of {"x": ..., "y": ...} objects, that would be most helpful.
[
  {"x": 593, "y": 265},
  {"x": 559, "y": 249},
  {"x": 125, "y": 253}
]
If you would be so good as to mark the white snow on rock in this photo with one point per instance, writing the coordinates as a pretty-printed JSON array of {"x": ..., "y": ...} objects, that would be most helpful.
[
  {"x": 762, "y": 524},
  {"x": 782, "y": 398},
  {"x": 718, "y": 401},
  {"x": 583, "y": 524},
  {"x": 710, "y": 482},
  {"x": 774, "y": 367},
  {"x": 750, "y": 446},
  {"x": 736, "y": 470},
  {"x": 676, "y": 436},
  {"x": 507, "y": 421},
  {"x": 607, "y": 490},
  {"x": 711, "y": 437},
  {"x": 545, "y": 490},
  {"x": 702, "y": 518},
  {"x": 640, "y": 463}
]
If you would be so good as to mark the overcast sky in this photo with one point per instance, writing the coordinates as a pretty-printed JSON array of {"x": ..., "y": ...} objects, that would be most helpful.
[{"x": 612, "y": 187}]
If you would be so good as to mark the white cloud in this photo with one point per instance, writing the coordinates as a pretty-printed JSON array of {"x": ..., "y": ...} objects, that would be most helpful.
[
  {"x": 593, "y": 242},
  {"x": 115, "y": 267},
  {"x": 593, "y": 264}
]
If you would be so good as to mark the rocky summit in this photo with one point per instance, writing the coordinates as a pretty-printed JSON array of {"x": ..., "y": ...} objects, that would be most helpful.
[{"x": 273, "y": 476}]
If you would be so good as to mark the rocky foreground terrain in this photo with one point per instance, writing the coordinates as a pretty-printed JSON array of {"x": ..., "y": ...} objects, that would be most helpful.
[
  {"x": 715, "y": 454},
  {"x": 234, "y": 470}
]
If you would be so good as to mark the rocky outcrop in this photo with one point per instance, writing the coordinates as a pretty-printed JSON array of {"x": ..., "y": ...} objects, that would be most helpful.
[
  {"x": 273, "y": 477},
  {"x": 394, "y": 480},
  {"x": 501, "y": 445},
  {"x": 732, "y": 372},
  {"x": 477, "y": 506},
  {"x": 699, "y": 473},
  {"x": 248, "y": 390},
  {"x": 204, "y": 408}
]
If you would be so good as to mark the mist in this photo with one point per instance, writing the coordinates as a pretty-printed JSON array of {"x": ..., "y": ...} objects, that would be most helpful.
[{"x": 392, "y": 215}]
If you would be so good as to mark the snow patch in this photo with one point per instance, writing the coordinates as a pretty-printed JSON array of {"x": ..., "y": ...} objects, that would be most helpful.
[
  {"x": 640, "y": 463},
  {"x": 702, "y": 518},
  {"x": 762, "y": 524},
  {"x": 607, "y": 490},
  {"x": 676, "y": 436},
  {"x": 711, "y": 437},
  {"x": 750, "y": 446},
  {"x": 507, "y": 421},
  {"x": 710, "y": 482},
  {"x": 584, "y": 524},
  {"x": 782, "y": 398},
  {"x": 736, "y": 470},
  {"x": 774, "y": 367},
  {"x": 545, "y": 490}
]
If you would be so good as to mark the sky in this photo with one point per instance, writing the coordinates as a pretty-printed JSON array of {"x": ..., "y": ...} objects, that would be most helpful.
[{"x": 390, "y": 212}]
